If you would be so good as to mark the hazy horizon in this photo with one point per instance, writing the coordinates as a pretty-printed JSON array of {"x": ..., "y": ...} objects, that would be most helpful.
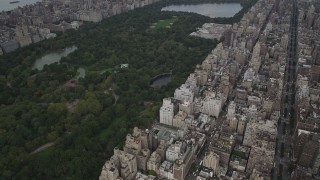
[{"x": 6, "y": 6}]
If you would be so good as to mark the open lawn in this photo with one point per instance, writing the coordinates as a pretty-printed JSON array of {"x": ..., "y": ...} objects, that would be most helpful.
[{"x": 165, "y": 23}]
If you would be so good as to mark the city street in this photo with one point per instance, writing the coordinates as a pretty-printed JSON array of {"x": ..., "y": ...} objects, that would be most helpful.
[{"x": 287, "y": 119}]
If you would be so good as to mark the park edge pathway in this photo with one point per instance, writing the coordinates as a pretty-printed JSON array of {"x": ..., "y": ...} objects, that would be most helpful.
[{"x": 43, "y": 147}]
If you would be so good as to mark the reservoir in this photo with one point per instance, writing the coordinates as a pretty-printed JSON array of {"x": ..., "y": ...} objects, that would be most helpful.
[
  {"x": 6, "y": 6},
  {"x": 211, "y": 10},
  {"x": 53, "y": 57},
  {"x": 160, "y": 80}
]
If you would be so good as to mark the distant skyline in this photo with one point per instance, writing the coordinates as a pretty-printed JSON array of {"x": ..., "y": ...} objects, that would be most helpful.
[{"x": 6, "y": 6}]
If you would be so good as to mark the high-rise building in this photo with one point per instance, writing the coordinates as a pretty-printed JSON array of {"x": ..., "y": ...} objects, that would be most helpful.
[
  {"x": 262, "y": 130},
  {"x": 109, "y": 172},
  {"x": 179, "y": 119},
  {"x": 186, "y": 107},
  {"x": 241, "y": 97},
  {"x": 182, "y": 166},
  {"x": 154, "y": 162},
  {"x": 122, "y": 162},
  {"x": 175, "y": 150},
  {"x": 202, "y": 75},
  {"x": 233, "y": 123},
  {"x": 166, "y": 170},
  {"x": 161, "y": 150},
  {"x": 231, "y": 110},
  {"x": 241, "y": 126},
  {"x": 211, "y": 160},
  {"x": 184, "y": 93},
  {"x": 261, "y": 156},
  {"x": 222, "y": 145},
  {"x": 167, "y": 112},
  {"x": 212, "y": 104},
  {"x": 308, "y": 154},
  {"x": 137, "y": 145}
]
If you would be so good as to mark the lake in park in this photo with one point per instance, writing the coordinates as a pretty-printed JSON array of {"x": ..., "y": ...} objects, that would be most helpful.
[
  {"x": 207, "y": 9},
  {"x": 53, "y": 57},
  {"x": 160, "y": 80}
]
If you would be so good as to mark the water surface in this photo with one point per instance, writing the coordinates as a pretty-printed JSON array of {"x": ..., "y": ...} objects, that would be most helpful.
[
  {"x": 6, "y": 6},
  {"x": 207, "y": 9},
  {"x": 161, "y": 80},
  {"x": 53, "y": 57}
]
